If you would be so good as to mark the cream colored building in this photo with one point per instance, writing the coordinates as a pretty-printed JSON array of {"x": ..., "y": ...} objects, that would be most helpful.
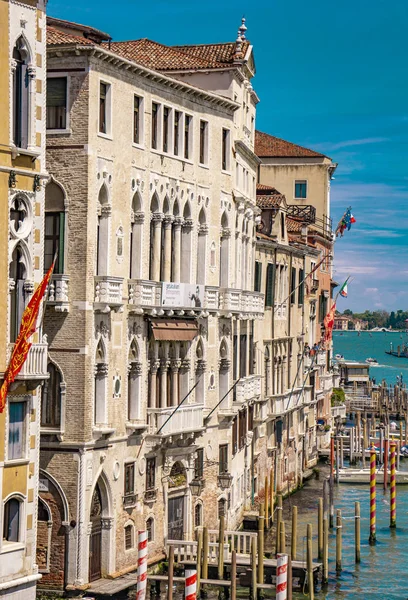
[
  {"x": 22, "y": 171},
  {"x": 152, "y": 206}
]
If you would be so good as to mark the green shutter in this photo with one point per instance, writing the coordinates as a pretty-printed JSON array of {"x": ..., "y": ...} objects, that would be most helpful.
[
  {"x": 270, "y": 285},
  {"x": 301, "y": 294},
  {"x": 293, "y": 286},
  {"x": 258, "y": 276}
]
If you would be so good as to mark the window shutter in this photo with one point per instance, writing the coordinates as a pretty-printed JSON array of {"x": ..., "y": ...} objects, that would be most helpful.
[
  {"x": 293, "y": 286},
  {"x": 270, "y": 285},
  {"x": 258, "y": 276},
  {"x": 301, "y": 293}
]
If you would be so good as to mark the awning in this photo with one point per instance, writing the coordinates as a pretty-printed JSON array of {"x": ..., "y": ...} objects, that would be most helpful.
[{"x": 174, "y": 330}]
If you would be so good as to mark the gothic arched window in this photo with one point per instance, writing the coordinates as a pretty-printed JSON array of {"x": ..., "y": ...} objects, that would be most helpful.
[
  {"x": 51, "y": 398},
  {"x": 21, "y": 94}
]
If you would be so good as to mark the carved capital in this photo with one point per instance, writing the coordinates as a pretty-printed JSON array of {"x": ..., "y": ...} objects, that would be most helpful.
[
  {"x": 106, "y": 210},
  {"x": 101, "y": 369},
  {"x": 31, "y": 71},
  {"x": 225, "y": 232},
  {"x": 167, "y": 221},
  {"x": 188, "y": 224},
  {"x": 157, "y": 218},
  {"x": 201, "y": 365},
  {"x": 107, "y": 522},
  {"x": 138, "y": 217},
  {"x": 203, "y": 229},
  {"x": 175, "y": 365},
  {"x": 135, "y": 368},
  {"x": 178, "y": 221}
]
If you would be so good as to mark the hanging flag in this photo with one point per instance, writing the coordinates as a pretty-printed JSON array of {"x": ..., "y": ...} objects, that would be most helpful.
[
  {"x": 345, "y": 223},
  {"x": 22, "y": 345},
  {"x": 343, "y": 289},
  {"x": 329, "y": 323}
]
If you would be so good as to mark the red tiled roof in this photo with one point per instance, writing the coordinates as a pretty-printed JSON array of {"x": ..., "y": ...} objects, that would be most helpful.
[
  {"x": 214, "y": 55},
  {"x": 175, "y": 58},
  {"x": 86, "y": 31},
  {"x": 270, "y": 146},
  {"x": 293, "y": 226},
  {"x": 268, "y": 197},
  {"x": 55, "y": 37}
]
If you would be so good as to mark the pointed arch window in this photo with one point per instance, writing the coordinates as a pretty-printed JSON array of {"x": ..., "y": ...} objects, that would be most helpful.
[
  {"x": 101, "y": 372},
  {"x": 134, "y": 377},
  {"x": 136, "y": 237},
  {"x": 52, "y": 398},
  {"x": 18, "y": 293},
  {"x": 104, "y": 208},
  {"x": 21, "y": 94}
]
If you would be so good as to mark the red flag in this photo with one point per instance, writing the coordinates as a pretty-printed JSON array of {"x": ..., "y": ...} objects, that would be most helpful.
[
  {"x": 329, "y": 323},
  {"x": 22, "y": 345}
]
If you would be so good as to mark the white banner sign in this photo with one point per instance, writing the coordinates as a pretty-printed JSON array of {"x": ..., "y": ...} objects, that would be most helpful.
[{"x": 183, "y": 295}]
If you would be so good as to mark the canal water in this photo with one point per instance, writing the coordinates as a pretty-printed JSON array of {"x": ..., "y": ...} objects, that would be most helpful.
[
  {"x": 373, "y": 345},
  {"x": 382, "y": 573}
]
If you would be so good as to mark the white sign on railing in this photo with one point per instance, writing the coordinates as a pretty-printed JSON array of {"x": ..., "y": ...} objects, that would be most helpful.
[{"x": 182, "y": 294}]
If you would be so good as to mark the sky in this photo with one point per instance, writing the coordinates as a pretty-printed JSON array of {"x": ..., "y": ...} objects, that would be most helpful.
[{"x": 331, "y": 76}]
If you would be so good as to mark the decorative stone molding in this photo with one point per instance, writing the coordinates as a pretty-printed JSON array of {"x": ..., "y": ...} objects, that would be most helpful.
[
  {"x": 106, "y": 210},
  {"x": 203, "y": 230},
  {"x": 101, "y": 369},
  {"x": 157, "y": 217},
  {"x": 107, "y": 522},
  {"x": 135, "y": 368},
  {"x": 138, "y": 217},
  {"x": 225, "y": 232},
  {"x": 31, "y": 71},
  {"x": 167, "y": 221},
  {"x": 188, "y": 224},
  {"x": 225, "y": 364},
  {"x": 29, "y": 287},
  {"x": 201, "y": 365}
]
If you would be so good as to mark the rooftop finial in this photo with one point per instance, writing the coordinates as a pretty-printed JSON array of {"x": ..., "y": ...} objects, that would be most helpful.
[{"x": 242, "y": 30}]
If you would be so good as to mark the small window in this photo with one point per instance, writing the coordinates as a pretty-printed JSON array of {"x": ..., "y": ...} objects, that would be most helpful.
[
  {"x": 221, "y": 507},
  {"x": 187, "y": 136},
  {"x": 51, "y": 399},
  {"x": 177, "y": 132},
  {"x": 17, "y": 433},
  {"x": 270, "y": 285},
  {"x": 129, "y": 478},
  {"x": 293, "y": 286},
  {"x": 258, "y": 276},
  {"x": 198, "y": 515},
  {"x": 199, "y": 464},
  {"x": 225, "y": 149},
  {"x": 11, "y": 522},
  {"x": 155, "y": 125},
  {"x": 150, "y": 473},
  {"x": 301, "y": 189},
  {"x": 137, "y": 119},
  {"x": 150, "y": 529},
  {"x": 104, "y": 107},
  {"x": 166, "y": 128},
  {"x": 223, "y": 459},
  {"x": 301, "y": 289},
  {"x": 203, "y": 142},
  {"x": 56, "y": 103},
  {"x": 129, "y": 537}
]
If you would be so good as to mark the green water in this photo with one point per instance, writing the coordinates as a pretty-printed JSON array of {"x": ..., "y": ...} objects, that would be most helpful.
[{"x": 359, "y": 347}]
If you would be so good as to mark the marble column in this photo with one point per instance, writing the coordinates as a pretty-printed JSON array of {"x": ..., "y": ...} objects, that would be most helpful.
[
  {"x": 156, "y": 246},
  {"x": 177, "y": 249},
  {"x": 167, "y": 224}
]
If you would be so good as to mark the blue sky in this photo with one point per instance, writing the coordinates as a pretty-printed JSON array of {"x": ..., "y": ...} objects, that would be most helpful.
[{"x": 331, "y": 76}]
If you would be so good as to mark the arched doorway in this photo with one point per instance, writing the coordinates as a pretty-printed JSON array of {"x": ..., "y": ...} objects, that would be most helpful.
[
  {"x": 95, "y": 539},
  {"x": 176, "y": 503}
]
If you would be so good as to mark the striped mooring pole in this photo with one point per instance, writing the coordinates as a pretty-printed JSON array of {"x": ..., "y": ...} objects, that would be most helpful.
[
  {"x": 191, "y": 584},
  {"x": 372, "y": 538},
  {"x": 393, "y": 488},
  {"x": 282, "y": 577},
  {"x": 141, "y": 565}
]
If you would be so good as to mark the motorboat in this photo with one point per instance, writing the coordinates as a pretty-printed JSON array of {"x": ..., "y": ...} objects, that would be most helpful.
[
  {"x": 339, "y": 357},
  {"x": 371, "y": 361}
]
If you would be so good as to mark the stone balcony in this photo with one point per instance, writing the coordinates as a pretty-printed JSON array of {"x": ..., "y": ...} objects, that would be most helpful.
[
  {"x": 108, "y": 293},
  {"x": 186, "y": 420},
  {"x": 280, "y": 404},
  {"x": 58, "y": 293},
  {"x": 147, "y": 297},
  {"x": 321, "y": 359},
  {"x": 35, "y": 366},
  {"x": 247, "y": 388}
]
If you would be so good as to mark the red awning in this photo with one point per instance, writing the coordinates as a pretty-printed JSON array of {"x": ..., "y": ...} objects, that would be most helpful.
[{"x": 174, "y": 330}]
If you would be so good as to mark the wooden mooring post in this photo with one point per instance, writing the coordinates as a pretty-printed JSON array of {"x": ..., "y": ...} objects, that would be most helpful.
[
  {"x": 253, "y": 569},
  {"x": 171, "y": 573},
  {"x": 293, "y": 545},
  {"x": 325, "y": 577},
  {"x": 204, "y": 570},
  {"x": 199, "y": 558},
  {"x": 221, "y": 536},
  {"x": 278, "y": 520},
  {"x": 266, "y": 502},
  {"x": 338, "y": 541},
  {"x": 234, "y": 575},
  {"x": 320, "y": 529},
  {"x": 309, "y": 562},
  {"x": 357, "y": 531}
]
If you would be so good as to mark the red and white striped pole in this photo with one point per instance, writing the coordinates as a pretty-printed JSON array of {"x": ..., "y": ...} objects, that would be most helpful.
[
  {"x": 141, "y": 566},
  {"x": 373, "y": 491},
  {"x": 282, "y": 577},
  {"x": 191, "y": 584},
  {"x": 393, "y": 488}
]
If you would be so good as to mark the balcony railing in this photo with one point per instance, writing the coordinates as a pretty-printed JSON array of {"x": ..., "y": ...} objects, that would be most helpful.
[
  {"x": 108, "y": 292},
  {"x": 58, "y": 293},
  {"x": 35, "y": 366},
  {"x": 186, "y": 419},
  {"x": 280, "y": 404},
  {"x": 148, "y": 295},
  {"x": 248, "y": 388},
  {"x": 321, "y": 359}
]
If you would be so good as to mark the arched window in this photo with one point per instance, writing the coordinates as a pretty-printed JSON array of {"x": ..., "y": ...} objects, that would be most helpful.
[
  {"x": 150, "y": 529},
  {"x": 101, "y": 372},
  {"x": 223, "y": 374},
  {"x": 18, "y": 276},
  {"x": 201, "y": 247},
  {"x": 129, "y": 536},
  {"x": 134, "y": 373},
  {"x": 221, "y": 507},
  {"x": 44, "y": 533},
  {"x": 155, "y": 239},
  {"x": 198, "y": 515},
  {"x": 104, "y": 210},
  {"x": 224, "y": 251},
  {"x": 186, "y": 245},
  {"x": 178, "y": 475},
  {"x": 54, "y": 227},
  {"x": 12, "y": 520},
  {"x": 21, "y": 94},
  {"x": 137, "y": 218},
  {"x": 51, "y": 398},
  {"x": 200, "y": 368},
  {"x": 267, "y": 365}
]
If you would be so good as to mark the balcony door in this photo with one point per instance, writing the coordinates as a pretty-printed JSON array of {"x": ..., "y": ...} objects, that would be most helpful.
[{"x": 176, "y": 518}]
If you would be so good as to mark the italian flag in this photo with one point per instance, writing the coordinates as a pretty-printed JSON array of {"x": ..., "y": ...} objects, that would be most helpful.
[{"x": 343, "y": 289}]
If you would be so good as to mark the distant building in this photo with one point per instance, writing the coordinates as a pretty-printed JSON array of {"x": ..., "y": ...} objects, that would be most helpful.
[{"x": 341, "y": 322}]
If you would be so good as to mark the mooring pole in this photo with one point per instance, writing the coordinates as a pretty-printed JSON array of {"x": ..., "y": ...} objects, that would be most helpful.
[
  {"x": 320, "y": 529},
  {"x": 171, "y": 573},
  {"x": 204, "y": 570},
  {"x": 266, "y": 502},
  {"x": 261, "y": 533},
  {"x": 357, "y": 531},
  {"x": 393, "y": 489},
  {"x": 278, "y": 520},
  {"x": 293, "y": 546},
  {"x": 309, "y": 562},
  {"x": 234, "y": 575},
  {"x": 253, "y": 568},
  {"x": 331, "y": 520},
  {"x": 221, "y": 534},
  {"x": 325, "y": 577},
  {"x": 386, "y": 450},
  {"x": 372, "y": 538},
  {"x": 338, "y": 541}
]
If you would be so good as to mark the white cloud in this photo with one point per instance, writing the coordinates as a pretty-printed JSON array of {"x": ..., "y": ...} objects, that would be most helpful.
[{"x": 371, "y": 291}]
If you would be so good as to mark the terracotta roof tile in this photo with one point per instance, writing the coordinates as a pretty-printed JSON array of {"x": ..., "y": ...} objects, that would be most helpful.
[
  {"x": 175, "y": 58},
  {"x": 269, "y": 197},
  {"x": 55, "y": 37},
  {"x": 293, "y": 226},
  {"x": 271, "y": 146}
]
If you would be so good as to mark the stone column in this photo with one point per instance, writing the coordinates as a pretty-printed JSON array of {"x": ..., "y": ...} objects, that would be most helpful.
[
  {"x": 177, "y": 248},
  {"x": 163, "y": 383},
  {"x": 175, "y": 367},
  {"x": 156, "y": 246},
  {"x": 167, "y": 223},
  {"x": 152, "y": 374}
]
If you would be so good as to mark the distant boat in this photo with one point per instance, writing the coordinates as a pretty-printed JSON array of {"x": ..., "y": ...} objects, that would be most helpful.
[
  {"x": 372, "y": 361},
  {"x": 339, "y": 357}
]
